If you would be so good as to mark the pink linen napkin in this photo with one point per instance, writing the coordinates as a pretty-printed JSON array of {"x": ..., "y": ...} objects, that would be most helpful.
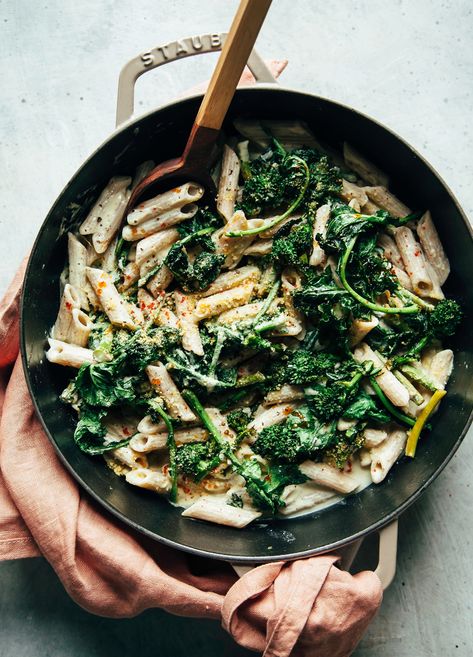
[{"x": 302, "y": 608}]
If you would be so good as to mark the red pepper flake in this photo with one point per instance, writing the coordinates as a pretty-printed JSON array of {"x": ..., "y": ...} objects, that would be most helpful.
[
  {"x": 68, "y": 305},
  {"x": 126, "y": 431}
]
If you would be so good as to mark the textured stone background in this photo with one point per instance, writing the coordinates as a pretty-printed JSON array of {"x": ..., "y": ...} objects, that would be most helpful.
[{"x": 408, "y": 64}]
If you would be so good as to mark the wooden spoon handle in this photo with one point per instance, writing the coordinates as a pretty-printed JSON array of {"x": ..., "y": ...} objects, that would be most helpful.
[{"x": 236, "y": 50}]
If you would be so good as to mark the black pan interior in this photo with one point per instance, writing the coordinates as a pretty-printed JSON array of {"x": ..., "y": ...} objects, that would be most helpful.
[{"x": 162, "y": 135}]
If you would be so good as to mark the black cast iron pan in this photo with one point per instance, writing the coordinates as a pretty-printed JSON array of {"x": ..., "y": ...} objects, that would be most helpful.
[{"x": 160, "y": 135}]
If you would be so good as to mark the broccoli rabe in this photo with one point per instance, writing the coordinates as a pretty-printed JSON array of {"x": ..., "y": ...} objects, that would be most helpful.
[
  {"x": 262, "y": 484},
  {"x": 292, "y": 245},
  {"x": 90, "y": 432},
  {"x": 345, "y": 445},
  {"x": 299, "y": 437},
  {"x": 325, "y": 180},
  {"x": 268, "y": 185},
  {"x": 238, "y": 421},
  {"x": 196, "y": 275},
  {"x": 198, "y": 459},
  {"x": 418, "y": 331}
]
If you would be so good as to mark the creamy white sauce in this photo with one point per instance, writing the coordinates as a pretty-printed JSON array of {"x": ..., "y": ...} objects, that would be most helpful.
[{"x": 303, "y": 499}]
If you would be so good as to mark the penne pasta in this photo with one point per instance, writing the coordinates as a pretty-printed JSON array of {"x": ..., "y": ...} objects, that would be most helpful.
[
  {"x": 392, "y": 388},
  {"x": 163, "y": 222},
  {"x": 146, "y": 425},
  {"x": 221, "y": 513},
  {"x": 154, "y": 261},
  {"x": 363, "y": 167},
  {"x": 69, "y": 355},
  {"x": 187, "y": 323},
  {"x": 106, "y": 205},
  {"x": 384, "y": 199},
  {"x": 148, "y": 247},
  {"x": 80, "y": 327},
  {"x": 286, "y": 393},
  {"x": 403, "y": 278},
  {"x": 374, "y": 437},
  {"x": 436, "y": 291},
  {"x": 70, "y": 300},
  {"x": 432, "y": 247},
  {"x": 167, "y": 318},
  {"x": 77, "y": 257},
  {"x": 186, "y": 194},
  {"x": 234, "y": 247},
  {"x": 414, "y": 261},
  {"x": 259, "y": 248},
  {"x": 328, "y": 476},
  {"x": 160, "y": 379},
  {"x": 231, "y": 279},
  {"x": 271, "y": 416},
  {"x": 110, "y": 299},
  {"x": 129, "y": 457},
  {"x": 222, "y": 301},
  {"x": 110, "y": 222},
  {"x": 391, "y": 252},
  {"x": 144, "y": 443},
  {"x": 351, "y": 192},
  {"x": 365, "y": 457},
  {"x": 360, "y": 329},
  {"x": 228, "y": 183},
  {"x": 385, "y": 455},
  {"x": 131, "y": 274},
  {"x": 149, "y": 479},
  {"x": 160, "y": 281},
  {"x": 441, "y": 366},
  {"x": 297, "y": 498},
  {"x": 290, "y": 282}
]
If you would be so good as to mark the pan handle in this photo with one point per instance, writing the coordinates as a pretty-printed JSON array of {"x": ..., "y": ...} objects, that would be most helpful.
[
  {"x": 386, "y": 568},
  {"x": 169, "y": 52},
  {"x": 387, "y": 551}
]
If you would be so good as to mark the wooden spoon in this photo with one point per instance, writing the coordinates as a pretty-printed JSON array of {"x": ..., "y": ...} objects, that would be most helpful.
[{"x": 198, "y": 154}]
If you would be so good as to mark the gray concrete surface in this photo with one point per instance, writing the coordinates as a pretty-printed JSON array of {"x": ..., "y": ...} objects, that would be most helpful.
[{"x": 410, "y": 65}]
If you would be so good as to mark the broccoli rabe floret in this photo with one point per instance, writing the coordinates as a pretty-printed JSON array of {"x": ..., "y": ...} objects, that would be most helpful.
[
  {"x": 196, "y": 460},
  {"x": 325, "y": 180},
  {"x": 238, "y": 420},
  {"x": 302, "y": 367},
  {"x": 346, "y": 445},
  {"x": 445, "y": 318},
  {"x": 327, "y": 402},
  {"x": 300, "y": 436},
  {"x": 291, "y": 247},
  {"x": 279, "y": 442}
]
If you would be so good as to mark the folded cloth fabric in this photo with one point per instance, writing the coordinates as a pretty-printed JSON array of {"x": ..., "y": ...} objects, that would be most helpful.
[{"x": 301, "y": 608}]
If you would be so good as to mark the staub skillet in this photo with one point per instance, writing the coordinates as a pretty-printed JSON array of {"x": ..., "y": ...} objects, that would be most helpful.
[{"x": 160, "y": 135}]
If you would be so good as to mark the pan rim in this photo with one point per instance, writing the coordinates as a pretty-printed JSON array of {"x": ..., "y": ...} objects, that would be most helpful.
[{"x": 242, "y": 559}]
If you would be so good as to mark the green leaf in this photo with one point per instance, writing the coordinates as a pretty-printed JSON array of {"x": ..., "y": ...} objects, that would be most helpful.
[{"x": 89, "y": 432}]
